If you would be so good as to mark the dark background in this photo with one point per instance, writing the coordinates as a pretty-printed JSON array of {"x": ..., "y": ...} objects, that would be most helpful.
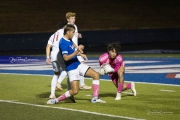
[{"x": 25, "y": 26}]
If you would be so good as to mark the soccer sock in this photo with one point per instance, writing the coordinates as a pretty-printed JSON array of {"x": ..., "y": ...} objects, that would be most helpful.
[
  {"x": 62, "y": 76},
  {"x": 82, "y": 81},
  {"x": 128, "y": 86},
  {"x": 53, "y": 84},
  {"x": 95, "y": 86},
  {"x": 64, "y": 96},
  {"x": 120, "y": 86}
]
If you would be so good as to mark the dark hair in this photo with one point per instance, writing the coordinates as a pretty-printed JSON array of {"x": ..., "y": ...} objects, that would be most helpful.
[
  {"x": 68, "y": 27},
  {"x": 61, "y": 25},
  {"x": 114, "y": 46}
]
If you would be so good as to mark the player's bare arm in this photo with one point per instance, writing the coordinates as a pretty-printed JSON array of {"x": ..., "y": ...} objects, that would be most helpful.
[
  {"x": 48, "y": 49},
  {"x": 68, "y": 57},
  {"x": 84, "y": 56}
]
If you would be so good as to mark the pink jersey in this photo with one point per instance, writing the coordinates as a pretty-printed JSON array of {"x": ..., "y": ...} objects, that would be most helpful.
[{"x": 115, "y": 63}]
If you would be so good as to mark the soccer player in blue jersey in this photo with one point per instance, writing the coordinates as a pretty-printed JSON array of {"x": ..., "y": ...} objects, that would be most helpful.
[
  {"x": 71, "y": 18},
  {"x": 75, "y": 69}
]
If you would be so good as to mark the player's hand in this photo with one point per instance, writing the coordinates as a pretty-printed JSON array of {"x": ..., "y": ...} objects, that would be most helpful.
[
  {"x": 79, "y": 35},
  {"x": 80, "y": 48},
  {"x": 84, "y": 56},
  {"x": 48, "y": 61}
]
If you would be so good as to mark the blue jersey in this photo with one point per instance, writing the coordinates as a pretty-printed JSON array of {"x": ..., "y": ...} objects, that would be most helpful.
[{"x": 67, "y": 47}]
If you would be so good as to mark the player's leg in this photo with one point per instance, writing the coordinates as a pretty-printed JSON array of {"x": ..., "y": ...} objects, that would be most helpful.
[
  {"x": 121, "y": 85},
  {"x": 126, "y": 86},
  {"x": 119, "y": 79},
  {"x": 114, "y": 78},
  {"x": 60, "y": 79},
  {"x": 83, "y": 86},
  {"x": 73, "y": 75},
  {"x": 88, "y": 71},
  {"x": 62, "y": 75},
  {"x": 69, "y": 88},
  {"x": 54, "y": 79}
]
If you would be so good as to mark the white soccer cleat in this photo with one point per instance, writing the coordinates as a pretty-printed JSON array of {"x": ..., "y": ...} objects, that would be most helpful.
[
  {"x": 97, "y": 100},
  {"x": 118, "y": 96},
  {"x": 133, "y": 88},
  {"x": 85, "y": 87},
  {"x": 52, "y": 96},
  {"x": 59, "y": 87},
  {"x": 52, "y": 101}
]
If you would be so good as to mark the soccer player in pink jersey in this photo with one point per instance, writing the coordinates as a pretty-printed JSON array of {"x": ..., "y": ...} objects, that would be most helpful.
[{"x": 115, "y": 60}]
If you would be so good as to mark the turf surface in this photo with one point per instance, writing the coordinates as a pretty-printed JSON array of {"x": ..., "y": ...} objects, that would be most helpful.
[{"x": 30, "y": 94}]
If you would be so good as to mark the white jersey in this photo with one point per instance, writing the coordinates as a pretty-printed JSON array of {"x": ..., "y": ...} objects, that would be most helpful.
[
  {"x": 75, "y": 40},
  {"x": 54, "y": 42},
  {"x": 75, "y": 37}
]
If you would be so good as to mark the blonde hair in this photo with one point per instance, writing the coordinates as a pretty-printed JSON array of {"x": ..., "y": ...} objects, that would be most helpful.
[{"x": 70, "y": 14}]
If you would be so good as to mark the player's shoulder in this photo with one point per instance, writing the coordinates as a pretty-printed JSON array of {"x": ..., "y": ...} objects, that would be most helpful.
[
  {"x": 62, "y": 40},
  {"x": 60, "y": 30},
  {"x": 75, "y": 25},
  {"x": 119, "y": 57},
  {"x": 51, "y": 36},
  {"x": 104, "y": 54}
]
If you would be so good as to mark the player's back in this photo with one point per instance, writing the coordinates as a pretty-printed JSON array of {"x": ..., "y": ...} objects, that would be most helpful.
[
  {"x": 56, "y": 38},
  {"x": 54, "y": 42}
]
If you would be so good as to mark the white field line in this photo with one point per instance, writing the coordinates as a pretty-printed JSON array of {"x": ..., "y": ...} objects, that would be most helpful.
[
  {"x": 167, "y": 90},
  {"x": 126, "y": 61},
  {"x": 69, "y": 109},
  {"x": 175, "y": 68},
  {"x": 107, "y": 80},
  {"x": 171, "y": 70}
]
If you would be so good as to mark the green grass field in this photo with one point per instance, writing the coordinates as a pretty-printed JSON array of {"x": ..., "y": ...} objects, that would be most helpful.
[{"x": 25, "y": 96}]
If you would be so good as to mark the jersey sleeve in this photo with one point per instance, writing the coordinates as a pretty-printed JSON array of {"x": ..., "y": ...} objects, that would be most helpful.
[
  {"x": 63, "y": 47},
  {"x": 103, "y": 58},
  {"x": 119, "y": 62},
  {"x": 50, "y": 41},
  {"x": 60, "y": 33}
]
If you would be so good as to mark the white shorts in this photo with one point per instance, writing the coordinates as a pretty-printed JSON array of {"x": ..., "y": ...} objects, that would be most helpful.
[
  {"x": 54, "y": 55},
  {"x": 57, "y": 65},
  {"x": 57, "y": 61},
  {"x": 79, "y": 71},
  {"x": 81, "y": 59}
]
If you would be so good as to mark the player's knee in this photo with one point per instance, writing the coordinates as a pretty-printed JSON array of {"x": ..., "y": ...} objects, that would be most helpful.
[
  {"x": 75, "y": 91},
  {"x": 96, "y": 76},
  {"x": 121, "y": 74}
]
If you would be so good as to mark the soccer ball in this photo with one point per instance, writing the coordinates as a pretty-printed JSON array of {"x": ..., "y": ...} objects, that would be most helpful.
[
  {"x": 107, "y": 68},
  {"x": 101, "y": 71}
]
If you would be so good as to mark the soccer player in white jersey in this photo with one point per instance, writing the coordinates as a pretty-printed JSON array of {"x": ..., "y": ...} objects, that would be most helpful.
[
  {"x": 75, "y": 69},
  {"x": 56, "y": 58},
  {"x": 71, "y": 18}
]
